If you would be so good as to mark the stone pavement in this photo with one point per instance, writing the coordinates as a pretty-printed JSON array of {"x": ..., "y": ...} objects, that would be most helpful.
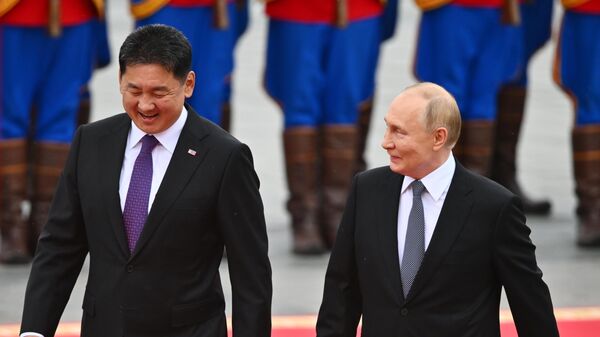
[{"x": 573, "y": 274}]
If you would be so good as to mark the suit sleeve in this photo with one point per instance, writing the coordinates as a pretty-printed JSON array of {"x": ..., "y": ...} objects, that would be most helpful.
[
  {"x": 516, "y": 265},
  {"x": 60, "y": 254},
  {"x": 341, "y": 307},
  {"x": 241, "y": 216}
]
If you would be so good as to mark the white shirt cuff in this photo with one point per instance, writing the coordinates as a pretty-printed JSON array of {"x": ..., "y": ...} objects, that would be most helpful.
[{"x": 30, "y": 334}]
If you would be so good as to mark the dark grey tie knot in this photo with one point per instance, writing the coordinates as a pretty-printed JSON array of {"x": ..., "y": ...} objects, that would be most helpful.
[
  {"x": 148, "y": 143},
  {"x": 417, "y": 188}
]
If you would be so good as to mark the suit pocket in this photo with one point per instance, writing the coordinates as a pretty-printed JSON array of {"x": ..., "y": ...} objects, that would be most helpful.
[{"x": 196, "y": 312}]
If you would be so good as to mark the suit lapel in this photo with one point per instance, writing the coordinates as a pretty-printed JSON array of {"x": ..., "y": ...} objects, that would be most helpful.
[
  {"x": 112, "y": 148},
  {"x": 181, "y": 168},
  {"x": 455, "y": 211},
  {"x": 388, "y": 230}
]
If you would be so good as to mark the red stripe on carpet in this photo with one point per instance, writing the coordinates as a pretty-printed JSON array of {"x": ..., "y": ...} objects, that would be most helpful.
[
  {"x": 572, "y": 322},
  {"x": 567, "y": 329}
]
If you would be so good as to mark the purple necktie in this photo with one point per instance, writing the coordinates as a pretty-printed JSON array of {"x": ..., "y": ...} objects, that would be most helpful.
[{"x": 136, "y": 204}]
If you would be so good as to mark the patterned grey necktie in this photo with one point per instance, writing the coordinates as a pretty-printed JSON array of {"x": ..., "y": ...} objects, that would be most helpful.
[{"x": 414, "y": 245}]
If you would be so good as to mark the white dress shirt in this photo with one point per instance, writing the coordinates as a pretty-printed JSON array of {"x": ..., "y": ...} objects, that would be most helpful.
[
  {"x": 161, "y": 156},
  {"x": 436, "y": 187}
]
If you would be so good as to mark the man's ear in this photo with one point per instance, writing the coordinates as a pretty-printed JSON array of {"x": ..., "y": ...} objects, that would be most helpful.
[
  {"x": 190, "y": 82},
  {"x": 440, "y": 137}
]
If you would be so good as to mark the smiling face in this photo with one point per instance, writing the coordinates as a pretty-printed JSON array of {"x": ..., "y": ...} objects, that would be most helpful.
[
  {"x": 152, "y": 97},
  {"x": 413, "y": 150}
]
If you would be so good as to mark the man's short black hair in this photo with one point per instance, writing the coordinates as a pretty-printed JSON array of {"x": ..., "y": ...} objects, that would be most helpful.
[{"x": 157, "y": 44}]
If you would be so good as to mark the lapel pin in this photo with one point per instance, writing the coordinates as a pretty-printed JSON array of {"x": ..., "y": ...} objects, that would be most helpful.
[{"x": 192, "y": 152}]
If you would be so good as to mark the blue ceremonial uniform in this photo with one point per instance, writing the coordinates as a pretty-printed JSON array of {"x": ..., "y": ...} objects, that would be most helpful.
[
  {"x": 46, "y": 58},
  {"x": 321, "y": 61},
  {"x": 532, "y": 34},
  {"x": 323, "y": 76},
  {"x": 535, "y": 28},
  {"x": 577, "y": 71},
  {"x": 578, "y": 64},
  {"x": 470, "y": 53}
]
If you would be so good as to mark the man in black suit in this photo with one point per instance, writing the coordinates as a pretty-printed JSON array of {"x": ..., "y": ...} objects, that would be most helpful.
[
  {"x": 157, "y": 277},
  {"x": 446, "y": 278}
]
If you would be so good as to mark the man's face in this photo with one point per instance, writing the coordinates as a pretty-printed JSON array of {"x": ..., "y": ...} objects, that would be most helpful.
[
  {"x": 409, "y": 145},
  {"x": 153, "y": 97}
]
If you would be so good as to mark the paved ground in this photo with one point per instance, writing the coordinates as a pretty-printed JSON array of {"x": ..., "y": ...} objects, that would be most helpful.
[{"x": 572, "y": 274}]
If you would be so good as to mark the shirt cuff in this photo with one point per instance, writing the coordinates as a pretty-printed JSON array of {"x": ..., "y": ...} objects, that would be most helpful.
[{"x": 30, "y": 334}]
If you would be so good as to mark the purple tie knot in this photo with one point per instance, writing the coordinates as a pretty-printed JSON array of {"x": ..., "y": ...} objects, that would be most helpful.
[{"x": 148, "y": 143}]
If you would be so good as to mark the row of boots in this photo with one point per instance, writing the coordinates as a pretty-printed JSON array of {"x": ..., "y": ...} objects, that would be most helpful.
[
  {"x": 320, "y": 163},
  {"x": 489, "y": 149},
  {"x": 21, "y": 180}
]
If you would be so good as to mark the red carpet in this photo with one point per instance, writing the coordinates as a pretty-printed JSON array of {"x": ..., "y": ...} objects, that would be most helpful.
[
  {"x": 572, "y": 322},
  {"x": 567, "y": 329}
]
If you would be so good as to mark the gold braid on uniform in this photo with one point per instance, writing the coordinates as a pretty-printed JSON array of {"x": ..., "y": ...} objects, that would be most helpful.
[
  {"x": 145, "y": 8},
  {"x": 573, "y": 3},
  {"x": 7, "y": 5},
  {"x": 427, "y": 5}
]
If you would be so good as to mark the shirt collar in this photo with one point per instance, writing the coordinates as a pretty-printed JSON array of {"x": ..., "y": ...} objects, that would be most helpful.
[
  {"x": 168, "y": 138},
  {"x": 436, "y": 182}
]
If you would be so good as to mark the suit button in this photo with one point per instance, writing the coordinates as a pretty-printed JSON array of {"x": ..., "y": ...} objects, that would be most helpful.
[
  {"x": 404, "y": 312},
  {"x": 129, "y": 268}
]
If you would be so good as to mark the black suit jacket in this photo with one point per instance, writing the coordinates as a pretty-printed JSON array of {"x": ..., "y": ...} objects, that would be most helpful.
[
  {"x": 169, "y": 285},
  {"x": 480, "y": 244}
]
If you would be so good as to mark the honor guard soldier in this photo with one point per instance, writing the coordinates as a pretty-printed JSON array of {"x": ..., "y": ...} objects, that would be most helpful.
[
  {"x": 320, "y": 69},
  {"x": 535, "y": 30},
  {"x": 469, "y": 47},
  {"x": 213, "y": 27},
  {"x": 577, "y": 71},
  {"x": 46, "y": 59}
]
